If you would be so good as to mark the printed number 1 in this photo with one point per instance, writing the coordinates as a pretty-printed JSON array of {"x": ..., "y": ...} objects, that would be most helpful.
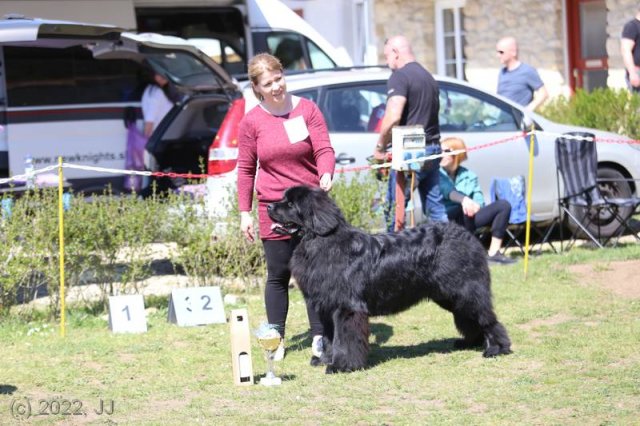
[{"x": 126, "y": 309}]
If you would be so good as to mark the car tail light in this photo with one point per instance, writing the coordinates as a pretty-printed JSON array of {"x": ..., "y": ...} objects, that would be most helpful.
[{"x": 223, "y": 152}]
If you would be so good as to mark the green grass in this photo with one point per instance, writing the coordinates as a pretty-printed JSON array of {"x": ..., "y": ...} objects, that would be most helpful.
[{"x": 575, "y": 361}]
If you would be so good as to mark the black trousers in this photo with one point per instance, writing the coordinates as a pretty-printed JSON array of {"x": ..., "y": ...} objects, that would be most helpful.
[
  {"x": 276, "y": 292},
  {"x": 495, "y": 214}
]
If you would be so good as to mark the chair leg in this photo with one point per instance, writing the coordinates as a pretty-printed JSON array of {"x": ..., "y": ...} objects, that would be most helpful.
[
  {"x": 583, "y": 228},
  {"x": 543, "y": 237},
  {"x": 624, "y": 226}
]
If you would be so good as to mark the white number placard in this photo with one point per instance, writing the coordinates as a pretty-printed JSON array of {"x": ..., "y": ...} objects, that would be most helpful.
[
  {"x": 196, "y": 306},
  {"x": 126, "y": 314}
]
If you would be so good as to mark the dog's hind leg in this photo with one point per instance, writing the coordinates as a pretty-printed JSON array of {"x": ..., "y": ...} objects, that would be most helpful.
[
  {"x": 482, "y": 328},
  {"x": 350, "y": 346},
  {"x": 470, "y": 330}
]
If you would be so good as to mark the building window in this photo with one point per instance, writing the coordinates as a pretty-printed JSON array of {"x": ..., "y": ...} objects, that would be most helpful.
[{"x": 450, "y": 38}]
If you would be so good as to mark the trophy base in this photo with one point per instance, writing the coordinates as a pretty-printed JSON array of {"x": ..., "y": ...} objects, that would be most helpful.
[{"x": 270, "y": 381}]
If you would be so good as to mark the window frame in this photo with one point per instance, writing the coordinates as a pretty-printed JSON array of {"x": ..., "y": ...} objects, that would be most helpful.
[{"x": 458, "y": 35}]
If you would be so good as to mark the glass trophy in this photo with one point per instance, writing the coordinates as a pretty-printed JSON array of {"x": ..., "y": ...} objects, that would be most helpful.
[{"x": 269, "y": 340}]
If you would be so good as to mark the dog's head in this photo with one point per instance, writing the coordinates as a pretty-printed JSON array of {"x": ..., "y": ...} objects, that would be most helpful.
[{"x": 305, "y": 209}]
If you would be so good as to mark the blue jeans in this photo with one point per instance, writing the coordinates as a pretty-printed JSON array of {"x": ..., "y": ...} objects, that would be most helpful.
[
  {"x": 428, "y": 187},
  {"x": 629, "y": 86}
]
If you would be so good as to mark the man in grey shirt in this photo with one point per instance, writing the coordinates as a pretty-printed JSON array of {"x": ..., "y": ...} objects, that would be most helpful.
[{"x": 518, "y": 81}]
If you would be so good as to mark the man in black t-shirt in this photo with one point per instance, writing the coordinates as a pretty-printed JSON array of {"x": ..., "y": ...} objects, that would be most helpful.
[
  {"x": 412, "y": 99},
  {"x": 630, "y": 49}
]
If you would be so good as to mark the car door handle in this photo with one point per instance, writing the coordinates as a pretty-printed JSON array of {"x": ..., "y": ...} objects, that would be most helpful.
[{"x": 344, "y": 159}]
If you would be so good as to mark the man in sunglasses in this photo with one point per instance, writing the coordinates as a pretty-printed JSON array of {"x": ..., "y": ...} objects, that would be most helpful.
[{"x": 518, "y": 81}]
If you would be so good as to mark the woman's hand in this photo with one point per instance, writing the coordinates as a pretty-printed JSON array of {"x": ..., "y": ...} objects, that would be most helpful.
[
  {"x": 326, "y": 182},
  {"x": 246, "y": 226},
  {"x": 469, "y": 207}
]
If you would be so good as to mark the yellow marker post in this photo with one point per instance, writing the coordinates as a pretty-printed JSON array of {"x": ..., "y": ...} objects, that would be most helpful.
[
  {"x": 413, "y": 208},
  {"x": 532, "y": 143},
  {"x": 61, "y": 244}
]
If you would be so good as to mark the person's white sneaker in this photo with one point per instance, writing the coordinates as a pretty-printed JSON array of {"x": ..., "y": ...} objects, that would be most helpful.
[
  {"x": 278, "y": 355},
  {"x": 317, "y": 346}
]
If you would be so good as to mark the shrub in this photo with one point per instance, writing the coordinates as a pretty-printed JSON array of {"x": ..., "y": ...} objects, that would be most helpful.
[
  {"x": 603, "y": 108},
  {"x": 360, "y": 197},
  {"x": 210, "y": 248},
  {"x": 30, "y": 248},
  {"x": 107, "y": 240}
]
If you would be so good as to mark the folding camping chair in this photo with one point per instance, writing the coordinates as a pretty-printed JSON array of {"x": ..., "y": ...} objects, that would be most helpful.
[
  {"x": 583, "y": 203},
  {"x": 513, "y": 190}
]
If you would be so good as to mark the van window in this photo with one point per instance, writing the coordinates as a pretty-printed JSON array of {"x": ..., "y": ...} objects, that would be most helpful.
[
  {"x": 222, "y": 53},
  {"x": 319, "y": 60},
  {"x": 224, "y": 27},
  {"x": 44, "y": 76},
  {"x": 290, "y": 49}
]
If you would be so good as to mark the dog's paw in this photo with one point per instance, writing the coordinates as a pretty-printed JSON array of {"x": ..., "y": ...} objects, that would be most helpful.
[
  {"x": 493, "y": 351},
  {"x": 331, "y": 370},
  {"x": 315, "y": 361}
]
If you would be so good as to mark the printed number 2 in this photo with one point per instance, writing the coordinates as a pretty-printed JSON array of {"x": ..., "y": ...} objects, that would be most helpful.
[
  {"x": 207, "y": 300},
  {"x": 126, "y": 310}
]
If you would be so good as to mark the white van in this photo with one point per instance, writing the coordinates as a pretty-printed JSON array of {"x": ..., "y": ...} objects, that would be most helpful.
[
  {"x": 230, "y": 31},
  {"x": 65, "y": 87}
]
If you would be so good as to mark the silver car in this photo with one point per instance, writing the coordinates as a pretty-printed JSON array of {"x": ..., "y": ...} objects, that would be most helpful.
[{"x": 491, "y": 126}]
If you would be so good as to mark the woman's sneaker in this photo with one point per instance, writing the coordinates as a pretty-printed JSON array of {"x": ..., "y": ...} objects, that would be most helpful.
[
  {"x": 501, "y": 259},
  {"x": 317, "y": 346},
  {"x": 278, "y": 355}
]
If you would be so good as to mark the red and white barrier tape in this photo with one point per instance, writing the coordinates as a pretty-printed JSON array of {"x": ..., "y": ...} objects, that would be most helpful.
[{"x": 23, "y": 177}]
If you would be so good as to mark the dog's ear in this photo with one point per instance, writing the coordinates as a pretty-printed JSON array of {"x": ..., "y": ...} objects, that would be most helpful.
[{"x": 320, "y": 213}]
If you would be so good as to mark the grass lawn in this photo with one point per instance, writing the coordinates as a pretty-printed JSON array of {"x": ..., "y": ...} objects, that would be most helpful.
[{"x": 576, "y": 360}]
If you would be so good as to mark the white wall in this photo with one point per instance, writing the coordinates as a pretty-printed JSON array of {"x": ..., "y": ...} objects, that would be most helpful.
[{"x": 335, "y": 20}]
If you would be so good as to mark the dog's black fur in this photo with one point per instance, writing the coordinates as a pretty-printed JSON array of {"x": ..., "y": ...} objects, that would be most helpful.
[{"x": 349, "y": 275}]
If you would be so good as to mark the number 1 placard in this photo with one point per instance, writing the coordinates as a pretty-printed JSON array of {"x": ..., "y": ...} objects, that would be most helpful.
[
  {"x": 196, "y": 306},
  {"x": 126, "y": 314}
]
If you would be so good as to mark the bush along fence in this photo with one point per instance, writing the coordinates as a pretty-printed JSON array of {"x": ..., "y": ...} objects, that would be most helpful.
[{"x": 108, "y": 241}]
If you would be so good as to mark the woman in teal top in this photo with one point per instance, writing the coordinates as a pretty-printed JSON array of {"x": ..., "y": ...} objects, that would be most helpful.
[{"x": 464, "y": 201}]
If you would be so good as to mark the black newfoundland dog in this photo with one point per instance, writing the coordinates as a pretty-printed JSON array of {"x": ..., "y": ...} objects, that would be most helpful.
[{"x": 350, "y": 275}]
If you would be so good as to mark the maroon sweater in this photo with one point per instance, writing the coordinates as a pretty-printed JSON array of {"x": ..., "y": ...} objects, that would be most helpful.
[{"x": 282, "y": 163}]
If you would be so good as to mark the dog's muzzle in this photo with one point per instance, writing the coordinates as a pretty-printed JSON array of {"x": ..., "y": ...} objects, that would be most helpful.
[{"x": 287, "y": 228}]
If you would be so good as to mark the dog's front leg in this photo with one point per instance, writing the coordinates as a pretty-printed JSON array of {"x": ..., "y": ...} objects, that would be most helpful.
[
  {"x": 350, "y": 346},
  {"x": 327, "y": 339}
]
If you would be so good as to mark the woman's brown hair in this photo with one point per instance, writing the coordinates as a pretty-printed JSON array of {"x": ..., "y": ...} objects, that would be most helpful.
[
  {"x": 455, "y": 144},
  {"x": 260, "y": 63}
]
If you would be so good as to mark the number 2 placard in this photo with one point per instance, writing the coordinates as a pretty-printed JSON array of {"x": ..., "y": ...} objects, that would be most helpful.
[
  {"x": 126, "y": 314},
  {"x": 196, "y": 306}
]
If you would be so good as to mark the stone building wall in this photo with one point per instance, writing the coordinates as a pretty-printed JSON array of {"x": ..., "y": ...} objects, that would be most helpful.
[
  {"x": 411, "y": 18},
  {"x": 539, "y": 28}
]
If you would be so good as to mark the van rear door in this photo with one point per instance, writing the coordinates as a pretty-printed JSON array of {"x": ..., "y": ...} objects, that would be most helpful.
[{"x": 59, "y": 102}]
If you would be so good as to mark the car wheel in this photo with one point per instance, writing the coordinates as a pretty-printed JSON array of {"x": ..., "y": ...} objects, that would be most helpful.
[{"x": 604, "y": 222}]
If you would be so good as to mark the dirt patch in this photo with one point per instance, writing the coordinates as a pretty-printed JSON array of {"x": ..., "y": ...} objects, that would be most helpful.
[
  {"x": 619, "y": 277},
  {"x": 546, "y": 322}
]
